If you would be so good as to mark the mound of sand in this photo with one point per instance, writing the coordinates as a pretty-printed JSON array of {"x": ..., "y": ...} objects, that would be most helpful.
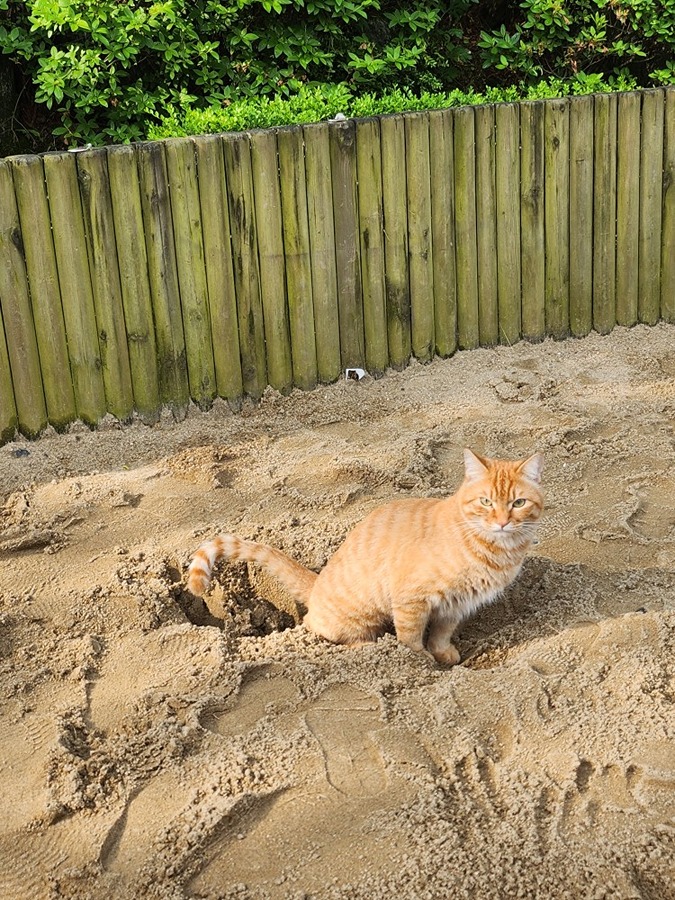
[{"x": 154, "y": 746}]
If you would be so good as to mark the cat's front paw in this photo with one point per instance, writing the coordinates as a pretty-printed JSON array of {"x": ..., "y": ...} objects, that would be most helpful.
[{"x": 448, "y": 656}]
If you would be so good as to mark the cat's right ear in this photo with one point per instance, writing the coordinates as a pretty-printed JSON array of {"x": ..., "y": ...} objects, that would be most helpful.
[{"x": 474, "y": 467}]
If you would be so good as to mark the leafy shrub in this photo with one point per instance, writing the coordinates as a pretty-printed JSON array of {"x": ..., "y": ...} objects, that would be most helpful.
[
  {"x": 106, "y": 71},
  {"x": 552, "y": 37},
  {"x": 109, "y": 67},
  {"x": 321, "y": 102}
]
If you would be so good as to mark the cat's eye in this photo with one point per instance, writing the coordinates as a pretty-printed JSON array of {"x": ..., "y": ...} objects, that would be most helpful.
[
  {"x": 485, "y": 501},
  {"x": 519, "y": 502}
]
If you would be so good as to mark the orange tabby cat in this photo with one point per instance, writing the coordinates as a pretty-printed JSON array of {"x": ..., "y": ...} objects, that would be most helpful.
[{"x": 424, "y": 564}]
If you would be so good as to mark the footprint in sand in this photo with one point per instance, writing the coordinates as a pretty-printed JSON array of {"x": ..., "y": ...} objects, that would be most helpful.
[
  {"x": 341, "y": 721},
  {"x": 282, "y": 838}
]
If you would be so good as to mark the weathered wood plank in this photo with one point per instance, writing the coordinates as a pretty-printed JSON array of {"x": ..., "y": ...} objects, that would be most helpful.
[
  {"x": 77, "y": 298},
  {"x": 627, "y": 207},
  {"x": 174, "y": 387},
  {"x": 556, "y": 194},
  {"x": 92, "y": 173},
  {"x": 264, "y": 166},
  {"x": 219, "y": 269},
  {"x": 347, "y": 252},
  {"x": 125, "y": 195},
  {"x": 581, "y": 215},
  {"x": 418, "y": 178},
  {"x": 50, "y": 329},
  {"x": 507, "y": 120},
  {"x": 191, "y": 269},
  {"x": 604, "y": 214},
  {"x": 486, "y": 226},
  {"x": 9, "y": 419},
  {"x": 15, "y": 308},
  {"x": 239, "y": 180},
  {"x": 297, "y": 253},
  {"x": 395, "y": 206},
  {"x": 651, "y": 198},
  {"x": 443, "y": 230},
  {"x": 468, "y": 333},
  {"x": 369, "y": 173},
  {"x": 532, "y": 216},
  {"x": 322, "y": 249},
  {"x": 668, "y": 216}
]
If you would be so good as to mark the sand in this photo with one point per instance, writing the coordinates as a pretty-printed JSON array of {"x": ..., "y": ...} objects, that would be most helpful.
[{"x": 152, "y": 745}]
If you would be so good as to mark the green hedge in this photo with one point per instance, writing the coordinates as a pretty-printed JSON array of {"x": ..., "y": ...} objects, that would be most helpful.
[
  {"x": 315, "y": 104},
  {"x": 636, "y": 36},
  {"x": 105, "y": 71},
  {"x": 107, "y": 68}
]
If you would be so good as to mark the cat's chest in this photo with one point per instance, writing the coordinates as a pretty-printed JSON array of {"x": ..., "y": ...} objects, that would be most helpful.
[{"x": 478, "y": 584}]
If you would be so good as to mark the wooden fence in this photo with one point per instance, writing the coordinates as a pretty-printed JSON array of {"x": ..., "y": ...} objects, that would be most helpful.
[{"x": 134, "y": 277}]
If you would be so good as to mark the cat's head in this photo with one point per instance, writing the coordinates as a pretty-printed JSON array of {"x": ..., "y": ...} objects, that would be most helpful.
[{"x": 502, "y": 498}]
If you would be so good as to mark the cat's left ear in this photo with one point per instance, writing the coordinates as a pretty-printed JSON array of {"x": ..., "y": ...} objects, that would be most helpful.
[{"x": 531, "y": 467}]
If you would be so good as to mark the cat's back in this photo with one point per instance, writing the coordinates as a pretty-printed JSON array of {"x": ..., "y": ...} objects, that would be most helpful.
[
  {"x": 403, "y": 515},
  {"x": 387, "y": 534}
]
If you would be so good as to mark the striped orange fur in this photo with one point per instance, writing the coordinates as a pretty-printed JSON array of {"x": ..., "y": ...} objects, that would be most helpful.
[{"x": 423, "y": 564}]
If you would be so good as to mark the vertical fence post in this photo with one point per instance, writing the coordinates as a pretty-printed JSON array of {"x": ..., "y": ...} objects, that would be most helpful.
[
  {"x": 77, "y": 297},
  {"x": 395, "y": 204},
  {"x": 651, "y": 200},
  {"x": 627, "y": 207},
  {"x": 581, "y": 215},
  {"x": 163, "y": 271},
  {"x": 443, "y": 230},
  {"x": 347, "y": 253},
  {"x": 19, "y": 327},
  {"x": 190, "y": 267},
  {"x": 420, "y": 249},
  {"x": 92, "y": 172},
  {"x": 369, "y": 173},
  {"x": 322, "y": 250},
  {"x": 532, "y": 253},
  {"x": 507, "y": 120},
  {"x": 125, "y": 195},
  {"x": 604, "y": 214},
  {"x": 272, "y": 260},
  {"x": 219, "y": 270},
  {"x": 486, "y": 226},
  {"x": 50, "y": 329},
  {"x": 468, "y": 333},
  {"x": 298, "y": 257},
  {"x": 241, "y": 203},
  {"x": 556, "y": 194}
]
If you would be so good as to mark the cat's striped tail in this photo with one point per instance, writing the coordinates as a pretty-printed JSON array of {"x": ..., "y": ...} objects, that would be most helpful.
[{"x": 297, "y": 580}]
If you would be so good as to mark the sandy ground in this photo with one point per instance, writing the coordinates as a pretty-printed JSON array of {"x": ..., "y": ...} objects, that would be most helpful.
[{"x": 151, "y": 746}]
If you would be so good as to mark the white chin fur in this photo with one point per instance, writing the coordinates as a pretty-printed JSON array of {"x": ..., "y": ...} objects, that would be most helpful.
[{"x": 503, "y": 534}]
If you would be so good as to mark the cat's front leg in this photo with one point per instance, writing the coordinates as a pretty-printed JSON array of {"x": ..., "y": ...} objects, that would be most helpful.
[
  {"x": 410, "y": 621},
  {"x": 439, "y": 641}
]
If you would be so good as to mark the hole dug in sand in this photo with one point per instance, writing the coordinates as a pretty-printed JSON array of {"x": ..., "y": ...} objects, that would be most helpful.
[{"x": 243, "y": 601}]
